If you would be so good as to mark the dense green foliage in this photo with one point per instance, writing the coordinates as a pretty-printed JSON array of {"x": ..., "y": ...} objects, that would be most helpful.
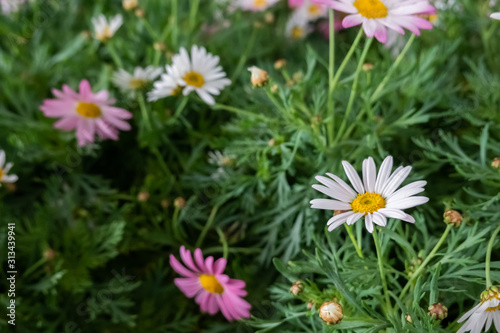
[{"x": 108, "y": 272}]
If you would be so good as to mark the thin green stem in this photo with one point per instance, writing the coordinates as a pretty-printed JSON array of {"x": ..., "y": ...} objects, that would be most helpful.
[
  {"x": 222, "y": 239},
  {"x": 207, "y": 226},
  {"x": 395, "y": 65},
  {"x": 175, "y": 224},
  {"x": 175, "y": 22},
  {"x": 331, "y": 69},
  {"x": 488, "y": 257},
  {"x": 381, "y": 269},
  {"x": 161, "y": 162},
  {"x": 192, "y": 13},
  {"x": 353, "y": 239},
  {"x": 346, "y": 59},
  {"x": 244, "y": 56},
  {"x": 354, "y": 88},
  {"x": 114, "y": 55},
  {"x": 144, "y": 110},
  {"x": 426, "y": 261}
]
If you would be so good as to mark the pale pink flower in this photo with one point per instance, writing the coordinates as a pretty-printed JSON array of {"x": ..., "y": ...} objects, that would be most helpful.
[
  {"x": 377, "y": 15},
  {"x": 86, "y": 112},
  {"x": 213, "y": 291}
]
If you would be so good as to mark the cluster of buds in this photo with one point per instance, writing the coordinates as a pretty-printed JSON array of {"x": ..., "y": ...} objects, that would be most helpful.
[
  {"x": 259, "y": 77},
  {"x": 331, "y": 312},
  {"x": 453, "y": 217},
  {"x": 438, "y": 311},
  {"x": 297, "y": 287}
]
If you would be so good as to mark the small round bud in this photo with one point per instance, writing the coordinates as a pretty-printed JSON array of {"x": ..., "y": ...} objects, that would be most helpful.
[
  {"x": 298, "y": 77},
  {"x": 269, "y": 18},
  {"x": 140, "y": 13},
  {"x": 331, "y": 312},
  {"x": 271, "y": 143},
  {"x": 453, "y": 217},
  {"x": 496, "y": 163},
  {"x": 297, "y": 287},
  {"x": 279, "y": 64},
  {"x": 310, "y": 304},
  {"x": 408, "y": 318},
  {"x": 49, "y": 254},
  {"x": 159, "y": 46},
  {"x": 143, "y": 196},
  {"x": 259, "y": 77},
  {"x": 438, "y": 311},
  {"x": 130, "y": 4},
  {"x": 274, "y": 88},
  {"x": 179, "y": 203},
  {"x": 165, "y": 203},
  {"x": 367, "y": 67}
]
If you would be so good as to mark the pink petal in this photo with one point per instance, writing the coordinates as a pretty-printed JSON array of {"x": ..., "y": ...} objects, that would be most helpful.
[
  {"x": 85, "y": 131},
  {"x": 179, "y": 268},
  {"x": 189, "y": 286},
  {"x": 188, "y": 260},
  {"x": 85, "y": 90},
  {"x": 116, "y": 112},
  {"x": 116, "y": 122},
  {"x": 209, "y": 264},
  {"x": 352, "y": 20},
  {"x": 198, "y": 257},
  {"x": 211, "y": 303},
  {"x": 220, "y": 265},
  {"x": 381, "y": 34},
  {"x": 56, "y": 108},
  {"x": 105, "y": 131},
  {"x": 67, "y": 123}
]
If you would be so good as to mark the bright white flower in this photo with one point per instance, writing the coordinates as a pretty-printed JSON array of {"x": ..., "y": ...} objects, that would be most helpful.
[
  {"x": 9, "y": 6},
  {"x": 297, "y": 26},
  {"x": 4, "y": 170},
  {"x": 312, "y": 10},
  {"x": 377, "y": 15},
  {"x": 483, "y": 314},
  {"x": 255, "y": 5},
  {"x": 375, "y": 198},
  {"x": 199, "y": 72},
  {"x": 495, "y": 16},
  {"x": 105, "y": 30},
  {"x": 139, "y": 79}
]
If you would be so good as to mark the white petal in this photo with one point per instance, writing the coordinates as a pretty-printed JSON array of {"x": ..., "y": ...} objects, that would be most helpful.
[
  {"x": 353, "y": 177},
  {"x": 496, "y": 320},
  {"x": 329, "y": 204},
  {"x": 495, "y": 16},
  {"x": 410, "y": 188},
  {"x": 354, "y": 218},
  {"x": 395, "y": 180},
  {"x": 379, "y": 219},
  {"x": 383, "y": 174},
  {"x": 2, "y": 158},
  {"x": 489, "y": 320},
  {"x": 369, "y": 174},
  {"x": 369, "y": 223},
  {"x": 407, "y": 202},
  {"x": 408, "y": 219},
  {"x": 343, "y": 184},
  {"x": 340, "y": 191},
  {"x": 469, "y": 313},
  {"x": 331, "y": 193},
  {"x": 392, "y": 213},
  {"x": 338, "y": 220}
]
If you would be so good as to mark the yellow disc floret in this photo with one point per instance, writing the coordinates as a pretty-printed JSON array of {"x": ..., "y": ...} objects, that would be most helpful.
[
  {"x": 211, "y": 284},
  {"x": 194, "y": 79},
  {"x": 88, "y": 110},
  {"x": 372, "y": 9},
  {"x": 368, "y": 203},
  {"x": 137, "y": 83}
]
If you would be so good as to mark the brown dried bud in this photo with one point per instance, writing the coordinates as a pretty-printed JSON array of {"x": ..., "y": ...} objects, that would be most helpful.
[
  {"x": 438, "y": 311},
  {"x": 367, "y": 67},
  {"x": 453, "y": 217},
  {"x": 279, "y": 64},
  {"x": 310, "y": 304},
  {"x": 130, "y": 4},
  {"x": 496, "y": 162},
  {"x": 143, "y": 196},
  {"x": 49, "y": 254},
  {"x": 297, "y": 287},
  {"x": 259, "y": 77},
  {"x": 140, "y": 13},
  {"x": 331, "y": 312},
  {"x": 179, "y": 203}
]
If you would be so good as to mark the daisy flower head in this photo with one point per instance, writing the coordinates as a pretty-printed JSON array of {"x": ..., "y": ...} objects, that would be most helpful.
[
  {"x": 86, "y": 112},
  {"x": 199, "y": 72},
  {"x": 255, "y": 5},
  {"x": 484, "y": 314},
  {"x": 310, "y": 9},
  {"x": 203, "y": 280},
  {"x": 138, "y": 80},
  {"x": 376, "y": 16},
  {"x": 104, "y": 29},
  {"x": 297, "y": 26},
  {"x": 4, "y": 170},
  {"x": 376, "y": 198}
]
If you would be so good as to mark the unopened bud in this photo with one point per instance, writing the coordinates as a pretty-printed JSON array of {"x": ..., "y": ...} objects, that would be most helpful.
[
  {"x": 297, "y": 287},
  {"x": 408, "y": 318},
  {"x": 331, "y": 312},
  {"x": 140, "y": 13},
  {"x": 453, "y": 217},
  {"x": 367, "y": 67},
  {"x": 496, "y": 163},
  {"x": 159, "y": 46},
  {"x": 438, "y": 311},
  {"x": 279, "y": 64},
  {"x": 180, "y": 203},
  {"x": 130, "y": 4},
  {"x": 143, "y": 196},
  {"x": 274, "y": 88},
  {"x": 49, "y": 254},
  {"x": 269, "y": 18},
  {"x": 259, "y": 77},
  {"x": 310, "y": 304}
]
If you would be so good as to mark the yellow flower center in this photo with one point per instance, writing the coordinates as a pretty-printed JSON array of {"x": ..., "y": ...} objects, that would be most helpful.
[
  {"x": 210, "y": 283},
  {"x": 297, "y": 32},
  {"x": 1, "y": 173},
  {"x": 137, "y": 83},
  {"x": 368, "y": 203},
  {"x": 372, "y": 9},
  {"x": 177, "y": 91},
  {"x": 104, "y": 34},
  {"x": 259, "y": 3},
  {"x": 194, "y": 79},
  {"x": 314, "y": 10},
  {"x": 89, "y": 110}
]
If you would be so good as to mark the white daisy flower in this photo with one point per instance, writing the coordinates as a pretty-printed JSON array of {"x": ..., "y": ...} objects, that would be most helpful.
[
  {"x": 484, "y": 314},
  {"x": 4, "y": 170},
  {"x": 9, "y": 6},
  {"x": 255, "y": 5},
  {"x": 297, "y": 26},
  {"x": 139, "y": 79},
  {"x": 495, "y": 16},
  {"x": 312, "y": 11},
  {"x": 375, "y": 198},
  {"x": 105, "y": 30},
  {"x": 199, "y": 72}
]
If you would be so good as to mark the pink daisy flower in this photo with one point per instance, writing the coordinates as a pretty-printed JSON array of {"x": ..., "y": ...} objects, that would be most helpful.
[
  {"x": 377, "y": 15},
  {"x": 212, "y": 290},
  {"x": 86, "y": 112}
]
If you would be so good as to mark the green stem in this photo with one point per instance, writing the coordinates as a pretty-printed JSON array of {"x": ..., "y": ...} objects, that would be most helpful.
[
  {"x": 244, "y": 56},
  {"x": 114, "y": 55},
  {"x": 222, "y": 238},
  {"x": 426, "y": 261},
  {"x": 353, "y": 239},
  {"x": 192, "y": 14},
  {"x": 395, "y": 65},
  {"x": 175, "y": 224},
  {"x": 381, "y": 269},
  {"x": 354, "y": 88},
  {"x": 331, "y": 69},
  {"x": 175, "y": 20},
  {"x": 207, "y": 226},
  {"x": 346, "y": 59},
  {"x": 162, "y": 163},
  {"x": 488, "y": 257},
  {"x": 144, "y": 110}
]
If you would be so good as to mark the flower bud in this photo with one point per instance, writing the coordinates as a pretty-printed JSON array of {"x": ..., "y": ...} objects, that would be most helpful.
[
  {"x": 310, "y": 305},
  {"x": 331, "y": 312},
  {"x": 367, "y": 67},
  {"x": 438, "y": 311},
  {"x": 259, "y": 77},
  {"x": 49, "y": 254},
  {"x": 297, "y": 287},
  {"x": 159, "y": 46},
  {"x": 496, "y": 163},
  {"x": 179, "y": 203},
  {"x": 279, "y": 64},
  {"x": 274, "y": 88},
  {"x": 143, "y": 196},
  {"x": 453, "y": 217},
  {"x": 269, "y": 18},
  {"x": 408, "y": 318},
  {"x": 130, "y": 4},
  {"x": 140, "y": 13}
]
